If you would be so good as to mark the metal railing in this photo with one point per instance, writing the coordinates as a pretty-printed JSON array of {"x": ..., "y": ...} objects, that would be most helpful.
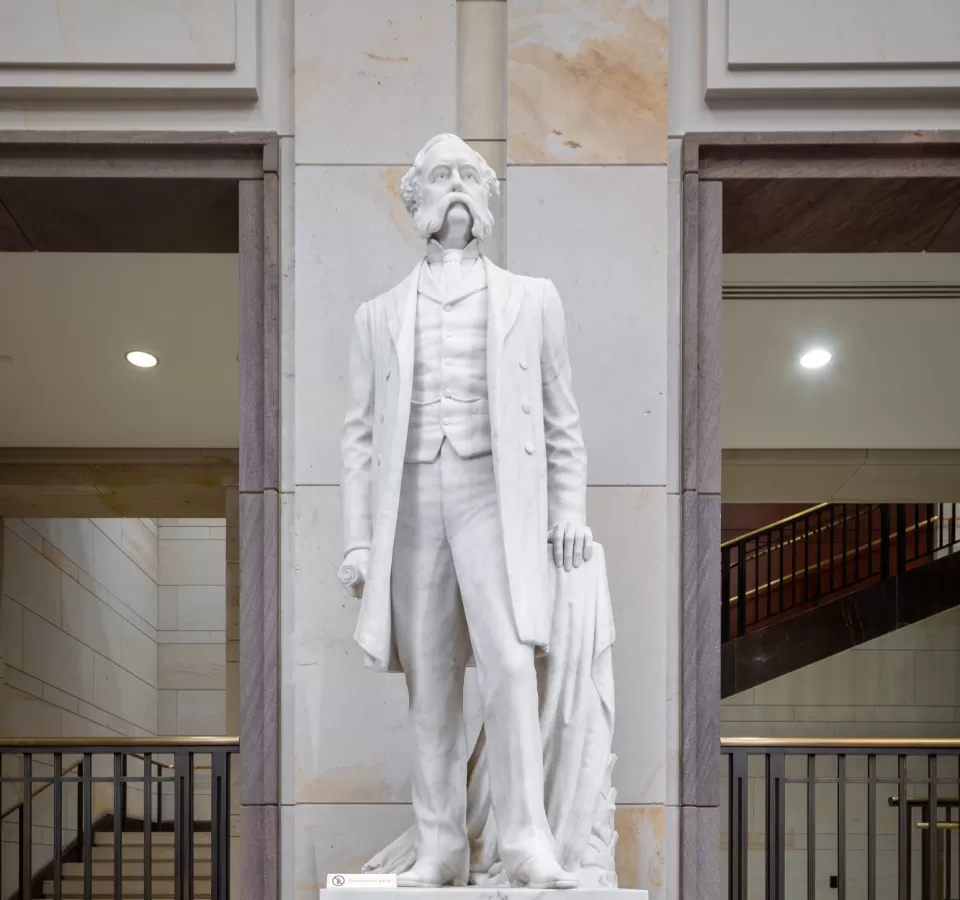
[
  {"x": 844, "y": 818},
  {"x": 97, "y": 797},
  {"x": 824, "y": 553}
]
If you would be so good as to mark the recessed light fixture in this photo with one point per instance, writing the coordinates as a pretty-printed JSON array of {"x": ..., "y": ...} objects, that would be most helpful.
[
  {"x": 141, "y": 359},
  {"x": 816, "y": 358}
]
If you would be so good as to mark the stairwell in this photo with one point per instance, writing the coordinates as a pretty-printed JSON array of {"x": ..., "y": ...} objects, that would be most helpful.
[
  {"x": 828, "y": 579},
  {"x": 133, "y": 868}
]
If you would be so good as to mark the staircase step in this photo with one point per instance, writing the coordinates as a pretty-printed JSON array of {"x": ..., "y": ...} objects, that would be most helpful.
[
  {"x": 161, "y": 852},
  {"x": 134, "y": 869},
  {"x": 132, "y": 887}
]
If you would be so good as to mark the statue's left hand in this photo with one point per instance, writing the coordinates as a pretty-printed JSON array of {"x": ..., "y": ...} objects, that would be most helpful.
[{"x": 572, "y": 544}]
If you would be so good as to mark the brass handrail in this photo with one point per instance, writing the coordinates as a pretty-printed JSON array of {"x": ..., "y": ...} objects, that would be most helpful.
[
  {"x": 863, "y": 744},
  {"x": 853, "y": 551},
  {"x": 168, "y": 742},
  {"x": 751, "y": 534}
]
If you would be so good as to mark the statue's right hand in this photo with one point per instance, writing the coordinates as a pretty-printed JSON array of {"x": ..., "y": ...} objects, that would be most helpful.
[{"x": 353, "y": 572}]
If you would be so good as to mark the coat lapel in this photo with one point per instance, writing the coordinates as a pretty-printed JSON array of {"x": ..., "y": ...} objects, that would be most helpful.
[
  {"x": 403, "y": 299},
  {"x": 504, "y": 296}
]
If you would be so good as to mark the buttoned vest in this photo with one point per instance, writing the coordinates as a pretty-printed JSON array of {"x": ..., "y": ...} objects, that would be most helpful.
[{"x": 449, "y": 395}]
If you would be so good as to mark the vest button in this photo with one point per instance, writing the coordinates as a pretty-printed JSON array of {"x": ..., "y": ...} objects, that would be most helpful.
[
  {"x": 528, "y": 447},
  {"x": 447, "y": 307},
  {"x": 448, "y": 393},
  {"x": 526, "y": 408},
  {"x": 448, "y": 361},
  {"x": 447, "y": 420},
  {"x": 523, "y": 364}
]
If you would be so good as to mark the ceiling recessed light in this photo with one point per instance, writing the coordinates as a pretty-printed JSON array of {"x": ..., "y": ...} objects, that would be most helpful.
[
  {"x": 141, "y": 359},
  {"x": 816, "y": 358}
]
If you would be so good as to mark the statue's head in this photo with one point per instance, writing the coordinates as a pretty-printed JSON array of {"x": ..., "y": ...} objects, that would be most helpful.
[{"x": 449, "y": 179}]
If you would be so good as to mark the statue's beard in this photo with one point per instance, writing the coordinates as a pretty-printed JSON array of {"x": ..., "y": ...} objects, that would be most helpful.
[{"x": 429, "y": 220}]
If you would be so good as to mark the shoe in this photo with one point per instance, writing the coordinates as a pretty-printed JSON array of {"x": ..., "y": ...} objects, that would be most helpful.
[
  {"x": 429, "y": 873},
  {"x": 543, "y": 874}
]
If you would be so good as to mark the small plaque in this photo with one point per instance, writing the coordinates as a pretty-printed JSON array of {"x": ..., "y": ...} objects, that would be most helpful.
[{"x": 345, "y": 881}]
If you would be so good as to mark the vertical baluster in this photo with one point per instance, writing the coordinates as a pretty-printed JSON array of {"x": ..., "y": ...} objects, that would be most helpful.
[
  {"x": 775, "y": 825},
  {"x": 220, "y": 825},
  {"x": 816, "y": 596},
  {"x": 811, "y": 827},
  {"x": 885, "y": 538},
  {"x": 57, "y": 825},
  {"x": 872, "y": 827},
  {"x": 794, "y": 566},
  {"x": 856, "y": 541},
  {"x": 724, "y": 595},
  {"x": 916, "y": 531},
  {"x": 783, "y": 535},
  {"x": 756, "y": 579},
  {"x": 738, "y": 812},
  {"x": 26, "y": 829},
  {"x": 901, "y": 538},
  {"x": 833, "y": 546},
  {"x": 903, "y": 830},
  {"x": 87, "y": 827},
  {"x": 869, "y": 541},
  {"x": 118, "y": 788},
  {"x": 183, "y": 824},
  {"x": 148, "y": 825},
  {"x": 953, "y": 524},
  {"x": 930, "y": 863},
  {"x": 841, "y": 827},
  {"x": 931, "y": 518},
  {"x": 741, "y": 590}
]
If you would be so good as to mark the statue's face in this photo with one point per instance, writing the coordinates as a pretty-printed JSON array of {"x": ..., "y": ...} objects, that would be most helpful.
[{"x": 451, "y": 189}]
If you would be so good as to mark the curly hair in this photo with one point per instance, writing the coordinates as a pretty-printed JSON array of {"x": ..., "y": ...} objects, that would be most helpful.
[{"x": 410, "y": 183}]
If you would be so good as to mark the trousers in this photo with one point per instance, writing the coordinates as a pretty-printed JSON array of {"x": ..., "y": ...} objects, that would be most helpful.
[{"x": 450, "y": 592}]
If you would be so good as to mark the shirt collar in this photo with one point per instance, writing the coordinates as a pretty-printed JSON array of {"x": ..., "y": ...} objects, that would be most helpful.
[{"x": 436, "y": 253}]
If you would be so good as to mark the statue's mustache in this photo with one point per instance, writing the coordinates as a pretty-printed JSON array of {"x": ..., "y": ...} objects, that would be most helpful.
[{"x": 428, "y": 219}]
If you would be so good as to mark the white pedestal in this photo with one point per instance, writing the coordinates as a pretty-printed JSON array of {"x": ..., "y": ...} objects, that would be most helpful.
[{"x": 479, "y": 893}]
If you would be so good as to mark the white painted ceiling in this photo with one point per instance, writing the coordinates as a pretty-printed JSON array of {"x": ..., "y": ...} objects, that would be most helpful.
[
  {"x": 893, "y": 325},
  {"x": 67, "y": 320}
]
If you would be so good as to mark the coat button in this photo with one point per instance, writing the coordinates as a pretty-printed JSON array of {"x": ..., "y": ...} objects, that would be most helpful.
[
  {"x": 447, "y": 307},
  {"x": 378, "y": 459},
  {"x": 447, "y": 420},
  {"x": 526, "y": 408},
  {"x": 448, "y": 393},
  {"x": 528, "y": 447},
  {"x": 523, "y": 364},
  {"x": 381, "y": 418}
]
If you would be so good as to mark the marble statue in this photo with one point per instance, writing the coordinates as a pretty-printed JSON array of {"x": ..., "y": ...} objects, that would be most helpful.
[{"x": 464, "y": 504}]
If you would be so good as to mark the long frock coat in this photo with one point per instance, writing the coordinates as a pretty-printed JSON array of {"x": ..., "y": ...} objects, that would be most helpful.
[{"x": 539, "y": 459}]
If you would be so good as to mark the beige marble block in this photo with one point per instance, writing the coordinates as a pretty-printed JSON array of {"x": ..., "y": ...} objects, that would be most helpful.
[
  {"x": 587, "y": 81},
  {"x": 600, "y": 234},
  {"x": 373, "y": 79}
]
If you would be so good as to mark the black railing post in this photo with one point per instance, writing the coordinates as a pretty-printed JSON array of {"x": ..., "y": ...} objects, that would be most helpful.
[
  {"x": 741, "y": 590},
  {"x": 220, "y": 826},
  {"x": 775, "y": 825},
  {"x": 119, "y": 792},
  {"x": 884, "y": 541},
  {"x": 26, "y": 830},
  {"x": 901, "y": 538},
  {"x": 724, "y": 595}
]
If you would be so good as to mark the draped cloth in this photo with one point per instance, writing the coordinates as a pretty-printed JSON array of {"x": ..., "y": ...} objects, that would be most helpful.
[{"x": 575, "y": 682}]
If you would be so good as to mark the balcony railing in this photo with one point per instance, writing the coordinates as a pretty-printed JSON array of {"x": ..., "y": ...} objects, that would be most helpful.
[
  {"x": 116, "y": 817},
  {"x": 805, "y": 819},
  {"x": 824, "y": 553}
]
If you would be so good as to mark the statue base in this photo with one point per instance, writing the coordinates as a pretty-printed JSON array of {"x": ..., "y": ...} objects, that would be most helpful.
[{"x": 493, "y": 892}]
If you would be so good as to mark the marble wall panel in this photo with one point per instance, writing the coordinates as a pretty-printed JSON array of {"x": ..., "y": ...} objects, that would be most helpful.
[
  {"x": 600, "y": 233},
  {"x": 353, "y": 742},
  {"x": 341, "y": 838},
  {"x": 354, "y": 241},
  {"x": 373, "y": 79},
  {"x": 587, "y": 81}
]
